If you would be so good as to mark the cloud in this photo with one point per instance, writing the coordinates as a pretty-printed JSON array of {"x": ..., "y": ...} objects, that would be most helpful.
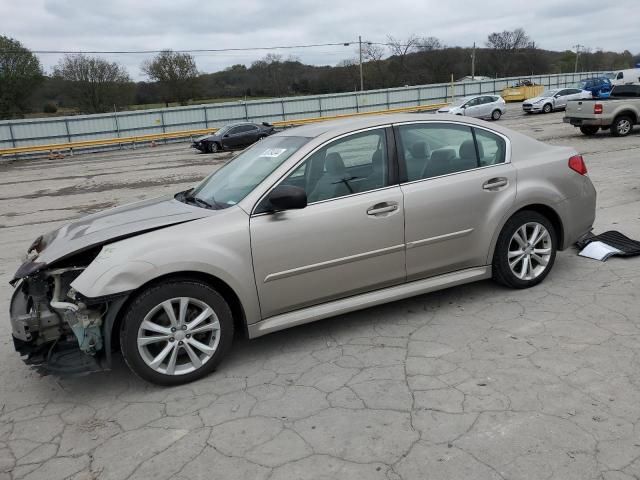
[{"x": 191, "y": 24}]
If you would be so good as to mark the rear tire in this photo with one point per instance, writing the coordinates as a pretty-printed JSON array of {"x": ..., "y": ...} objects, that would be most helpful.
[
  {"x": 621, "y": 126},
  {"x": 547, "y": 108},
  {"x": 175, "y": 351},
  {"x": 589, "y": 130},
  {"x": 496, "y": 114},
  {"x": 525, "y": 251}
]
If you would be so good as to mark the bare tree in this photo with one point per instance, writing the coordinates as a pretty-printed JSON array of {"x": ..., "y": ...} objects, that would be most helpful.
[
  {"x": 510, "y": 40},
  {"x": 269, "y": 75},
  {"x": 20, "y": 75},
  {"x": 176, "y": 73},
  {"x": 400, "y": 49},
  {"x": 428, "y": 44},
  {"x": 372, "y": 52},
  {"x": 403, "y": 47},
  {"x": 375, "y": 73},
  {"x": 505, "y": 46},
  {"x": 94, "y": 83}
]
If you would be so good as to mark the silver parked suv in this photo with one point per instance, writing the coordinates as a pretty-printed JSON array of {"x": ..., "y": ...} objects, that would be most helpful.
[{"x": 309, "y": 223}]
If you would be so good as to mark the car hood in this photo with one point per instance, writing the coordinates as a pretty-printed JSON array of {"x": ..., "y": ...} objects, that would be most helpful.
[
  {"x": 448, "y": 109},
  {"x": 204, "y": 137},
  {"x": 535, "y": 99},
  {"x": 114, "y": 224}
]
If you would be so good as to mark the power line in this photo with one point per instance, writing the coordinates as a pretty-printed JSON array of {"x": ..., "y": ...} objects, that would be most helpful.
[{"x": 196, "y": 50}]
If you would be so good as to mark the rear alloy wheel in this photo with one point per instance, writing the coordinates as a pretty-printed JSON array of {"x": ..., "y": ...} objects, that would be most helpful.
[
  {"x": 496, "y": 114},
  {"x": 547, "y": 108},
  {"x": 176, "y": 332},
  {"x": 621, "y": 126},
  {"x": 526, "y": 250},
  {"x": 589, "y": 130}
]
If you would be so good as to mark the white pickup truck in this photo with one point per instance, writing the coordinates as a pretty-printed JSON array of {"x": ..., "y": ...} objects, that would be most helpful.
[{"x": 618, "y": 113}]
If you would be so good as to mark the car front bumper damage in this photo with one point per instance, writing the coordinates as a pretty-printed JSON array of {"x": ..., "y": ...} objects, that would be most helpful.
[{"x": 55, "y": 330}]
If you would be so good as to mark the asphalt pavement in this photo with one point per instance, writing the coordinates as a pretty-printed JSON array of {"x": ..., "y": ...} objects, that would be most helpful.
[{"x": 473, "y": 382}]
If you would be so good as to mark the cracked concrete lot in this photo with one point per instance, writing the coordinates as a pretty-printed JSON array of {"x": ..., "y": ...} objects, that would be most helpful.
[{"x": 475, "y": 382}]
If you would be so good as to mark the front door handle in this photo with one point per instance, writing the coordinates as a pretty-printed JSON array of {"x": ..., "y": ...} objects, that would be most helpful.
[
  {"x": 380, "y": 208},
  {"x": 495, "y": 183}
]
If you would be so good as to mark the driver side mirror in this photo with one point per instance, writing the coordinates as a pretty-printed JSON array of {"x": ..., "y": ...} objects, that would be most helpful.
[
  {"x": 557, "y": 95},
  {"x": 287, "y": 197}
]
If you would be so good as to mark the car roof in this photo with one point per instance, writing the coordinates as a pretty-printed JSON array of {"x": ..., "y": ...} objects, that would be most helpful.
[
  {"x": 345, "y": 125},
  {"x": 239, "y": 124}
]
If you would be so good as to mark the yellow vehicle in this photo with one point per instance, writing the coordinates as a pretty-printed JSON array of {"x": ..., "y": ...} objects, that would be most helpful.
[{"x": 521, "y": 92}]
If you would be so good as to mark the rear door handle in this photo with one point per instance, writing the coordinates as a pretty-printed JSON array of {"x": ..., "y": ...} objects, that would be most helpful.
[
  {"x": 380, "y": 208},
  {"x": 495, "y": 183}
]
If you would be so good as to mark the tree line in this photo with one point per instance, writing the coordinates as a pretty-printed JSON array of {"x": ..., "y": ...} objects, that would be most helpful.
[{"x": 90, "y": 84}]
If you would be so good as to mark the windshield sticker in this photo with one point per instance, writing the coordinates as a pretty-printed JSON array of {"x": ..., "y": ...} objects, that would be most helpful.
[{"x": 273, "y": 152}]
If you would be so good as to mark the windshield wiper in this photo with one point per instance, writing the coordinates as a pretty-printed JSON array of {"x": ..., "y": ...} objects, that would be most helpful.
[
  {"x": 187, "y": 197},
  {"x": 199, "y": 202}
]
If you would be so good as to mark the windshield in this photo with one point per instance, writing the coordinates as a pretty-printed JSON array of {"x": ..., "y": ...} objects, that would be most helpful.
[
  {"x": 461, "y": 101},
  {"x": 236, "y": 179},
  {"x": 550, "y": 93}
]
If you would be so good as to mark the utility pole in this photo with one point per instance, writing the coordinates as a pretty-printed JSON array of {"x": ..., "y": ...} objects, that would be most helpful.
[
  {"x": 577, "y": 47},
  {"x": 361, "y": 77},
  {"x": 473, "y": 62}
]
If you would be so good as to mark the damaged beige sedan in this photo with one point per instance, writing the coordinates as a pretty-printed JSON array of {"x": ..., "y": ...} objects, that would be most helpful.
[{"x": 310, "y": 223}]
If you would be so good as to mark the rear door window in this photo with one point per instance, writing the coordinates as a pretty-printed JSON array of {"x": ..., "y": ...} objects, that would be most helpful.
[
  {"x": 434, "y": 149},
  {"x": 491, "y": 147}
]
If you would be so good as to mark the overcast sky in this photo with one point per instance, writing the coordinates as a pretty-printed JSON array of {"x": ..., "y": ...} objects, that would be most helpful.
[{"x": 191, "y": 24}]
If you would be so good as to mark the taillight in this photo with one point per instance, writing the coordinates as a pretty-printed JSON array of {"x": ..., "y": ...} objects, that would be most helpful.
[
  {"x": 597, "y": 108},
  {"x": 576, "y": 163}
]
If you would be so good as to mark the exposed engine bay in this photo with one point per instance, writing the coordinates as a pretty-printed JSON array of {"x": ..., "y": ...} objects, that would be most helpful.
[{"x": 52, "y": 324}]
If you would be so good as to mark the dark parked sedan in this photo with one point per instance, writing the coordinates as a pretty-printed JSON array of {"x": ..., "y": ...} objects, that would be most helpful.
[{"x": 229, "y": 137}]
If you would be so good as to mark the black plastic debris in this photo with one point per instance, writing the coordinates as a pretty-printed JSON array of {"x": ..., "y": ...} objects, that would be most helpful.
[{"x": 626, "y": 247}]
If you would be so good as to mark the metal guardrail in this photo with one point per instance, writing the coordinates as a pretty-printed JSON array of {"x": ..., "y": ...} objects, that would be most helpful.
[
  {"x": 139, "y": 124},
  {"x": 70, "y": 146}
]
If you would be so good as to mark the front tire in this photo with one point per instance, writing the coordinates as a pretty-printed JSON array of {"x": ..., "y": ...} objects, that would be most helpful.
[
  {"x": 525, "y": 251},
  {"x": 213, "y": 147},
  {"x": 176, "y": 332},
  {"x": 547, "y": 108},
  {"x": 589, "y": 130},
  {"x": 496, "y": 114},
  {"x": 621, "y": 126}
]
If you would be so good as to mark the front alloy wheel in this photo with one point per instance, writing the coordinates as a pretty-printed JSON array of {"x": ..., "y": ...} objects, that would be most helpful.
[
  {"x": 525, "y": 251},
  {"x": 547, "y": 108},
  {"x": 496, "y": 115},
  {"x": 176, "y": 332},
  {"x": 178, "y": 336}
]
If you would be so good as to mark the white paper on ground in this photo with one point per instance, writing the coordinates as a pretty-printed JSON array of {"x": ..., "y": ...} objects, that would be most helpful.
[{"x": 598, "y": 251}]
